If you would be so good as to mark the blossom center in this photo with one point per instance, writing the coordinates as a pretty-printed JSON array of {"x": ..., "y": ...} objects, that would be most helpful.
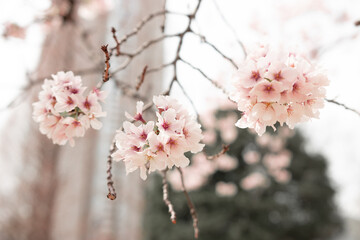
[
  {"x": 165, "y": 125},
  {"x": 143, "y": 136},
  {"x": 278, "y": 76},
  {"x": 160, "y": 147},
  {"x": 255, "y": 75},
  {"x": 268, "y": 88},
  {"x": 70, "y": 101},
  {"x": 135, "y": 148},
  {"x": 87, "y": 104},
  {"x": 172, "y": 142},
  {"x": 74, "y": 90}
]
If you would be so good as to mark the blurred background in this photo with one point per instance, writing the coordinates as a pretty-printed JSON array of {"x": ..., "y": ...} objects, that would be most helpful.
[{"x": 301, "y": 184}]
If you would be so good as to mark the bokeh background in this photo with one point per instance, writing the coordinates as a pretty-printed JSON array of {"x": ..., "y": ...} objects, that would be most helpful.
[{"x": 302, "y": 184}]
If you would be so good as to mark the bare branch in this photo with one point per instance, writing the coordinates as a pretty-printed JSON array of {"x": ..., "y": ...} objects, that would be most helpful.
[
  {"x": 164, "y": 19},
  {"x": 213, "y": 82},
  {"x": 141, "y": 24},
  {"x": 142, "y": 78},
  {"x": 203, "y": 39},
  {"x": 343, "y": 105},
  {"x": 166, "y": 198},
  {"x": 117, "y": 47},
  {"x": 191, "y": 205},
  {"x": 110, "y": 183},
  {"x": 188, "y": 97},
  {"x": 142, "y": 48},
  {"x": 159, "y": 68},
  {"x": 230, "y": 27},
  {"x": 224, "y": 149},
  {"x": 106, "y": 75}
]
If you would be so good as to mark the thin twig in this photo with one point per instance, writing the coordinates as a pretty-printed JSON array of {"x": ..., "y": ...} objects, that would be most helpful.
[
  {"x": 213, "y": 82},
  {"x": 142, "y": 78},
  {"x": 224, "y": 149},
  {"x": 164, "y": 19},
  {"x": 188, "y": 97},
  {"x": 117, "y": 47},
  {"x": 191, "y": 205},
  {"x": 140, "y": 50},
  {"x": 110, "y": 183},
  {"x": 230, "y": 27},
  {"x": 343, "y": 105},
  {"x": 159, "y": 68},
  {"x": 166, "y": 198},
  {"x": 106, "y": 75},
  {"x": 141, "y": 24},
  {"x": 203, "y": 39}
]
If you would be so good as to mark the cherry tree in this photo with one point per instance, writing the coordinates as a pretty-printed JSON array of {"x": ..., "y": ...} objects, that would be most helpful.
[{"x": 271, "y": 85}]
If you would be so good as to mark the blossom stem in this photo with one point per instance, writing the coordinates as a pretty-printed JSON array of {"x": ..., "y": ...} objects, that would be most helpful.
[
  {"x": 110, "y": 183},
  {"x": 190, "y": 204},
  {"x": 166, "y": 198}
]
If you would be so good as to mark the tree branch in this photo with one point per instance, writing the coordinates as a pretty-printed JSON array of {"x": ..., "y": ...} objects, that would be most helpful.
[
  {"x": 191, "y": 205},
  {"x": 230, "y": 27},
  {"x": 166, "y": 198},
  {"x": 203, "y": 39},
  {"x": 110, "y": 183},
  {"x": 342, "y": 105}
]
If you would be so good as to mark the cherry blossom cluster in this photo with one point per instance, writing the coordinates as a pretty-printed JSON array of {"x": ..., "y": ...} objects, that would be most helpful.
[
  {"x": 274, "y": 87},
  {"x": 151, "y": 146},
  {"x": 63, "y": 109}
]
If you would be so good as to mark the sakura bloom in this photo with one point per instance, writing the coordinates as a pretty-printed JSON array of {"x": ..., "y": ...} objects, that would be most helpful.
[
  {"x": 63, "y": 110},
  {"x": 151, "y": 146},
  {"x": 272, "y": 87}
]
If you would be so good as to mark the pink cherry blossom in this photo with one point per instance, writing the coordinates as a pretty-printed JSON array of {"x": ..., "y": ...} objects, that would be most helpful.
[
  {"x": 224, "y": 189},
  {"x": 253, "y": 180},
  {"x": 14, "y": 30},
  {"x": 63, "y": 111},
  {"x": 251, "y": 157},
  {"x": 153, "y": 146},
  {"x": 168, "y": 122},
  {"x": 226, "y": 162},
  {"x": 138, "y": 116},
  {"x": 272, "y": 87},
  {"x": 195, "y": 175},
  {"x": 267, "y": 91}
]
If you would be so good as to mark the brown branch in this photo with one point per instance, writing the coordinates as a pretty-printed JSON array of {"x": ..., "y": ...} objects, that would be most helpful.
[
  {"x": 164, "y": 19},
  {"x": 357, "y": 23},
  {"x": 166, "y": 198},
  {"x": 110, "y": 183},
  {"x": 159, "y": 68},
  {"x": 342, "y": 105},
  {"x": 230, "y": 27},
  {"x": 188, "y": 97},
  {"x": 141, "y": 24},
  {"x": 213, "y": 82},
  {"x": 117, "y": 47},
  {"x": 141, "y": 49},
  {"x": 203, "y": 39},
  {"x": 224, "y": 149},
  {"x": 106, "y": 75},
  {"x": 142, "y": 78},
  {"x": 167, "y": 92},
  {"x": 191, "y": 205}
]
